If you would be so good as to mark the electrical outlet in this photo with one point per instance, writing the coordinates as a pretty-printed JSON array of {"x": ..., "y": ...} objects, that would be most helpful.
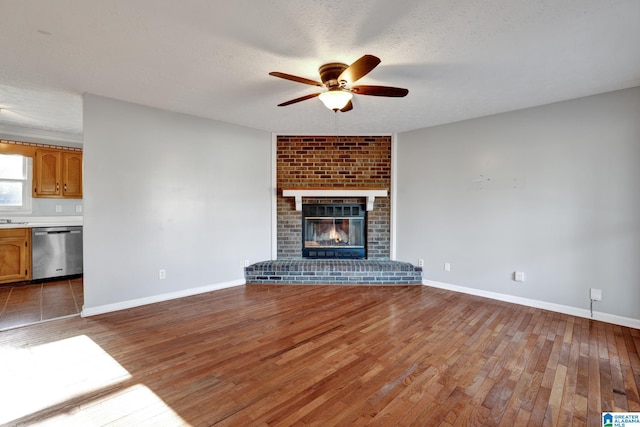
[
  {"x": 518, "y": 276},
  {"x": 78, "y": 208},
  {"x": 595, "y": 294},
  {"x": 420, "y": 262},
  {"x": 447, "y": 266},
  {"x": 162, "y": 274},
  {"x": 58, "y": 208},
  {"x": 247, "y": 263}
]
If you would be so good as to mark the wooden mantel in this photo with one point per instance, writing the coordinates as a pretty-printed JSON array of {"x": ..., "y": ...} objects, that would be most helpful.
[{"x": 369, "y": 193}]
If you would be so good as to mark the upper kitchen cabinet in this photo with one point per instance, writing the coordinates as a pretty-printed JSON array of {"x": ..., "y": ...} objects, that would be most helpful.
[
  {"x": 57, "y": 174},
  {"x": 47, "y": 173},
  {"x": 72, "y": 174}
]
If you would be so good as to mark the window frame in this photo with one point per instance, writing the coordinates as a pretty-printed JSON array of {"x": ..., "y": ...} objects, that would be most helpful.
[{"x": 27, "y": 183}]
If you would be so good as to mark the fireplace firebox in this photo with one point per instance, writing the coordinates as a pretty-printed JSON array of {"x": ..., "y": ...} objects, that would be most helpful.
[{"x": 334, "y": 231}]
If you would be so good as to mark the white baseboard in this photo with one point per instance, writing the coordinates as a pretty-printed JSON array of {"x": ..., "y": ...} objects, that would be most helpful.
[
  {"x": 565, "y": 309},
  {"x": 123, "y": 305}
]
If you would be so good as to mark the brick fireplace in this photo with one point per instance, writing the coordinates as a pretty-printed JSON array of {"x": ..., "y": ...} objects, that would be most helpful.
[
  {"x": 333, "y": 171},
  {"x": 333, "y": 162}
]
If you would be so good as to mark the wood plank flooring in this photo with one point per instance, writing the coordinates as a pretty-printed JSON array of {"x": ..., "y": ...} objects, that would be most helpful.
[
  {"x": 264, "y": 355},
  {"x": 24, "y": 304}
]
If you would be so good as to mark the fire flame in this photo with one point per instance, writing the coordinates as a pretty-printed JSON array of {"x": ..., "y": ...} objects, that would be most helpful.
[{"x": 333, "y": 234}]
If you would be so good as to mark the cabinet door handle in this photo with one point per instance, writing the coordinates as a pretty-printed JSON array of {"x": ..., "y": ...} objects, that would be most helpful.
[
  {"x": 57, "y": 186},
  {"x": 65, "y": 187}
]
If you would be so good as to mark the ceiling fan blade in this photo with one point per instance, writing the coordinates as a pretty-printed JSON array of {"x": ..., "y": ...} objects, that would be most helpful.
[
  {"x": 302, "y": 98},
  {"x": 380, "y": 91},
  {"x": 295, "y": 78},
  {"x": 359, "y": 69},
  {"x": 347, "y": 107}
]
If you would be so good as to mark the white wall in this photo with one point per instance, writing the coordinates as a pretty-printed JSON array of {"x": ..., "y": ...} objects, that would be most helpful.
[
  {"x": 169, "y": 191},
  {"x": 552, "y": 191}
]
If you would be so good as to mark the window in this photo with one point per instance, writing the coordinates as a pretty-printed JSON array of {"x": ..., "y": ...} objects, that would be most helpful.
[{"x": 15, "y": 183}]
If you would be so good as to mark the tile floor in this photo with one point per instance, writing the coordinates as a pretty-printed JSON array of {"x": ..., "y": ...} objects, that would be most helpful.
[{"x": 24, "y": 304}]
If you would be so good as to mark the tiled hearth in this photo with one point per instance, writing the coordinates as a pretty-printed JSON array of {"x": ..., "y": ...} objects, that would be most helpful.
[{"x": 339, "y": 272}]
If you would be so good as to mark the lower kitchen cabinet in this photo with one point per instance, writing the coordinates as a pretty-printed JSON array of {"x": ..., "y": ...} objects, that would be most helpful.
[{"x": 15, "y": 254}]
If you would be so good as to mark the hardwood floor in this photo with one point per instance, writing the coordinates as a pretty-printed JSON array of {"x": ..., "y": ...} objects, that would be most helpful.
[
  {"x": 261, "y": 355},
  {"x": 24, "y": 304}
]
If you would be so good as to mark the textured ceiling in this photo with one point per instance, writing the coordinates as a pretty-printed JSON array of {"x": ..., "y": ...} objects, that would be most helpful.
[{"x": 459, "y": 59}]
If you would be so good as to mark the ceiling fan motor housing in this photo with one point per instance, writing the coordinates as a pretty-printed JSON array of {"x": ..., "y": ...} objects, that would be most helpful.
[{"x": 329, "y": 74}]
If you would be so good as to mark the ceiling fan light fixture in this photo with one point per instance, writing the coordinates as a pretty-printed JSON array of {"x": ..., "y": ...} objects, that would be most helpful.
[
  {"x": 338, "y": 78},
  {"x": 335, "y": 99}
]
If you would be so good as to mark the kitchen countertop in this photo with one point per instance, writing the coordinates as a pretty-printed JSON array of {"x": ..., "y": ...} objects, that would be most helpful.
[{"x": 39, "y": 221}]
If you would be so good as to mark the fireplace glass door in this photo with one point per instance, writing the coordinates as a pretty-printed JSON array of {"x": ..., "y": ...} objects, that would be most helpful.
[{"x": 334, "y": 231}]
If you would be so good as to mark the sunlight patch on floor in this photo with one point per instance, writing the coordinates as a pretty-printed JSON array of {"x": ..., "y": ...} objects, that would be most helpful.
[
  {"x": 133, "y": 406},
  {"x": 39, "y": 377}
]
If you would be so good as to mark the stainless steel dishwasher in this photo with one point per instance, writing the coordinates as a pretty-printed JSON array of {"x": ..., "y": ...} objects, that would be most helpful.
[{"x": 56, "y": 251}]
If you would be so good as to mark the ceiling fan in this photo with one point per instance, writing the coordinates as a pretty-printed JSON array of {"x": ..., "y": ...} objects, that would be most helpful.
[{"x": 338, "y": 78}]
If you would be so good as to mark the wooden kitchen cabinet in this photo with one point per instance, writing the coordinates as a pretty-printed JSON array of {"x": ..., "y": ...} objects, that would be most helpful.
[
  {"x": 47, "y": 173},
  {"x": 72, "y": 174},
  {"x": 57, "y": 174},
  {"x": 15, "y": 254}
]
